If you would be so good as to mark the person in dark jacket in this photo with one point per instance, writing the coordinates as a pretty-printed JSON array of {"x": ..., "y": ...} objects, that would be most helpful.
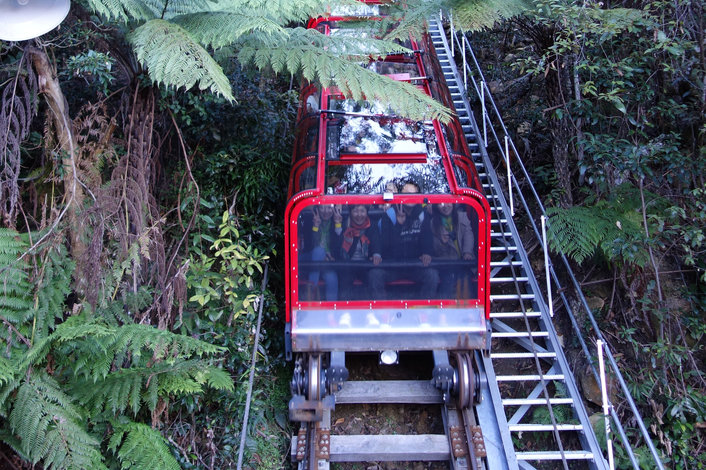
[
  {"x": 452, "y": 240},
  {"x": 322, "y": 244},
  {"x": 360, "y": 243},
  {"x": 409, "y": 240}
]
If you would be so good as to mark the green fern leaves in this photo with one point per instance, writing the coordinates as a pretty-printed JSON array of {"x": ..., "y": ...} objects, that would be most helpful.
[
  {"x": 577, "y": 231},
  {"x": 139, "y": 446},
  {"x": 174, "y": 58},
  {"x": 335, "y": 61},
  {"x": 51, "y": 426},
  {"x": 15, "y": 288},
  {"x": 61, "y": 380},
  {"x": 614, "y": 227},
  {"x": 173, "y": 38},
  {"x": 475, "y": 15}
]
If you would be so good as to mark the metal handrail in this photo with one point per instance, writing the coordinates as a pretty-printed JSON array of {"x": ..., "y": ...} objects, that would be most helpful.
[{"x": 483, "y": 93}]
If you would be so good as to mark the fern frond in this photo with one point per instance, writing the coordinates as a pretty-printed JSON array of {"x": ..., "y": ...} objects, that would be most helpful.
[
  {"x": 139, "y": 447},
  {"x": 145, "y": 10},
  {"x": 576, "y": 231},
  {"x": 331, "y": 61},
  {"x": 283, "y": 11},
  {"x": 614, "y": 226},
  {"x": 219, "y": 29},
  {"x": 51, "y": 289},
  {"x": 160, "y": 343},
  {"x": 124, "y": 10},
  {"x": 133, "y": 387},
  {"x": 7, "y": 371},
  {"x": 216, "y": 378},
  {"x": 475, "y": 15},
  {"x": 50, "y": 426},
  {"x": 15, "y": 288},
  {"x": 174, "y": 58}
]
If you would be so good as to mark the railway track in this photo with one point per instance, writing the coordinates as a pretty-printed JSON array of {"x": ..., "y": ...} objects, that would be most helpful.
[{"x": 451, "y": 436}]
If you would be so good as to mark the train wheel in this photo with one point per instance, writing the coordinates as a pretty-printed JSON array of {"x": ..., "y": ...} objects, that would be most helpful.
[
  {"x": 314, "y": 390},
  {"x": 466, "y": 384}
]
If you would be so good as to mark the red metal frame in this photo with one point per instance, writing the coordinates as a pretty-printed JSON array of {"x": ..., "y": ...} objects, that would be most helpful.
[{"x": 302, "y": 199}]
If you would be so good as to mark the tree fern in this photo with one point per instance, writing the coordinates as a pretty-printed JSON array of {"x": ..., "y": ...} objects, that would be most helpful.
[
  {"x": 310, "y": 52},
  {"x": 174, "y": 58},
  {"x": 474, "y": 15},
  {"x": 15, "y": 289},
  {"x": 218, "y": 29},
  {"x": 131, "y": 388},
  {"x": 468, "y": 15},
  {"x": 51, "y": 286},
  {"x": 145, "y": 10},
  {"x": 140, "y": 447},
  {"x": 613, "y": 226},
  {"x": 172, "y": 46},
  {"x": 50, "y": 426}
]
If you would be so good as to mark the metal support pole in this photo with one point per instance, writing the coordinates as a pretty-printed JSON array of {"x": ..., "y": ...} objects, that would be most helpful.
[
  {"x": 546, "y": 266},
  {"x": 606, "y": 405},
  {"x": 482, "y": 104},
  {"x": 451, "y": 25},
  {"x": 509, "y": 176},
  {"x": 465, "y": 67}
]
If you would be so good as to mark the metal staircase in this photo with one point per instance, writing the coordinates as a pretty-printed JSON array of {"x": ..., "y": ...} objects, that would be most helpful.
[{"x": 531, "y": 400}]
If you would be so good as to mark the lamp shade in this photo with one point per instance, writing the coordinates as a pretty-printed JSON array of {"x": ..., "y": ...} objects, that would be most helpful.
[{"x": 27, "y": 19}]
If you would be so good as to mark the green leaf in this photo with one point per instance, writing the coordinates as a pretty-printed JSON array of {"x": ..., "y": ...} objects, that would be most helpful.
[{"x": 174, "y": 58}]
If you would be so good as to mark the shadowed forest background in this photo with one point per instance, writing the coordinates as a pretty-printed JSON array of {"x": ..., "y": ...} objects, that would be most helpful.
[{"x": 139, "y": 208}]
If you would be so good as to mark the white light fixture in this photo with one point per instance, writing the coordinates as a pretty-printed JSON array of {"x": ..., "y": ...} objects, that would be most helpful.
[
  {"x": 388, "y": 357},
  {"x": 27, "y": 19}
]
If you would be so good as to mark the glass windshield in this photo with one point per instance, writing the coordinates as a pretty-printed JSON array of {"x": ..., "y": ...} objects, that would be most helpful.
[
  {"x": 367, "y": 128},
  {"x": 376, "y": 178},
  {"x": 388, "y": 252}
]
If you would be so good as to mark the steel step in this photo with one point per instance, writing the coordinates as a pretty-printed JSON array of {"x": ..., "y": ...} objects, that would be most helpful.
[
  {"x": 547, "y": 455},
  {"x": 536, "y": 401},
  {"x": 544, "y": 427}
]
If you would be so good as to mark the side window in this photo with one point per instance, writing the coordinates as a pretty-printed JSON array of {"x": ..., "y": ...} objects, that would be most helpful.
[
  {"x": 462, "y": 171},
  {"x": 307, "y": 141},
  {"x": 304, "y": 176}
]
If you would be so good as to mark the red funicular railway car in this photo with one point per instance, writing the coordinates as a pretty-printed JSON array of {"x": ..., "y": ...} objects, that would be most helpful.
[{"x": 387, "y": 236}]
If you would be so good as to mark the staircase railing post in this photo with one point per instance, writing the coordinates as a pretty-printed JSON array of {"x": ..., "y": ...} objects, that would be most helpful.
[
  {"x": 465, "y": 67},
  {"x": 509, "y": 175},
  {"x": 546, "y": 266},
  {"x": 483, "y": 112},
  {"x": 606, "y": 405}
]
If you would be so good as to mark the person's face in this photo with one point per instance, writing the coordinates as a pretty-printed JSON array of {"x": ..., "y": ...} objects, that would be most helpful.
[
  {"x": 445, "y": 208},
  {"x": 359, "y": 214},
  {"x": 326, "y": 212},
  {"x": 409, "y": 189}
]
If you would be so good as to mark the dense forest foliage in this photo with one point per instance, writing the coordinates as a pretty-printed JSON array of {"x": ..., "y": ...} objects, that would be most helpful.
[
  {"x": 608, "y": 106},
  {"x": 141, "y": 199}
]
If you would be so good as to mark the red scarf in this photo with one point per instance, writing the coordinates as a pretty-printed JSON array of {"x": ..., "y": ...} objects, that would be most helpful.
[{"x": 353, "y": 232}]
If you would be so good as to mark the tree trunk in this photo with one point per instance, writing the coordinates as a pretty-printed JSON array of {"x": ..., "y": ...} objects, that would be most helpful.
[
  {"x": 59, "y": 112},
  {"x": 558, "y": 88}
]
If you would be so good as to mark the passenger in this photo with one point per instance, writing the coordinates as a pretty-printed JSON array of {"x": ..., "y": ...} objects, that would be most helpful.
[
  {"x": 387, "y": 209},
  {"x": 408, "y": 240},
  {"x": 323, "y": 244},
  {"x": 361, "y": 243},
  {"x": 453, "y": 240}
]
